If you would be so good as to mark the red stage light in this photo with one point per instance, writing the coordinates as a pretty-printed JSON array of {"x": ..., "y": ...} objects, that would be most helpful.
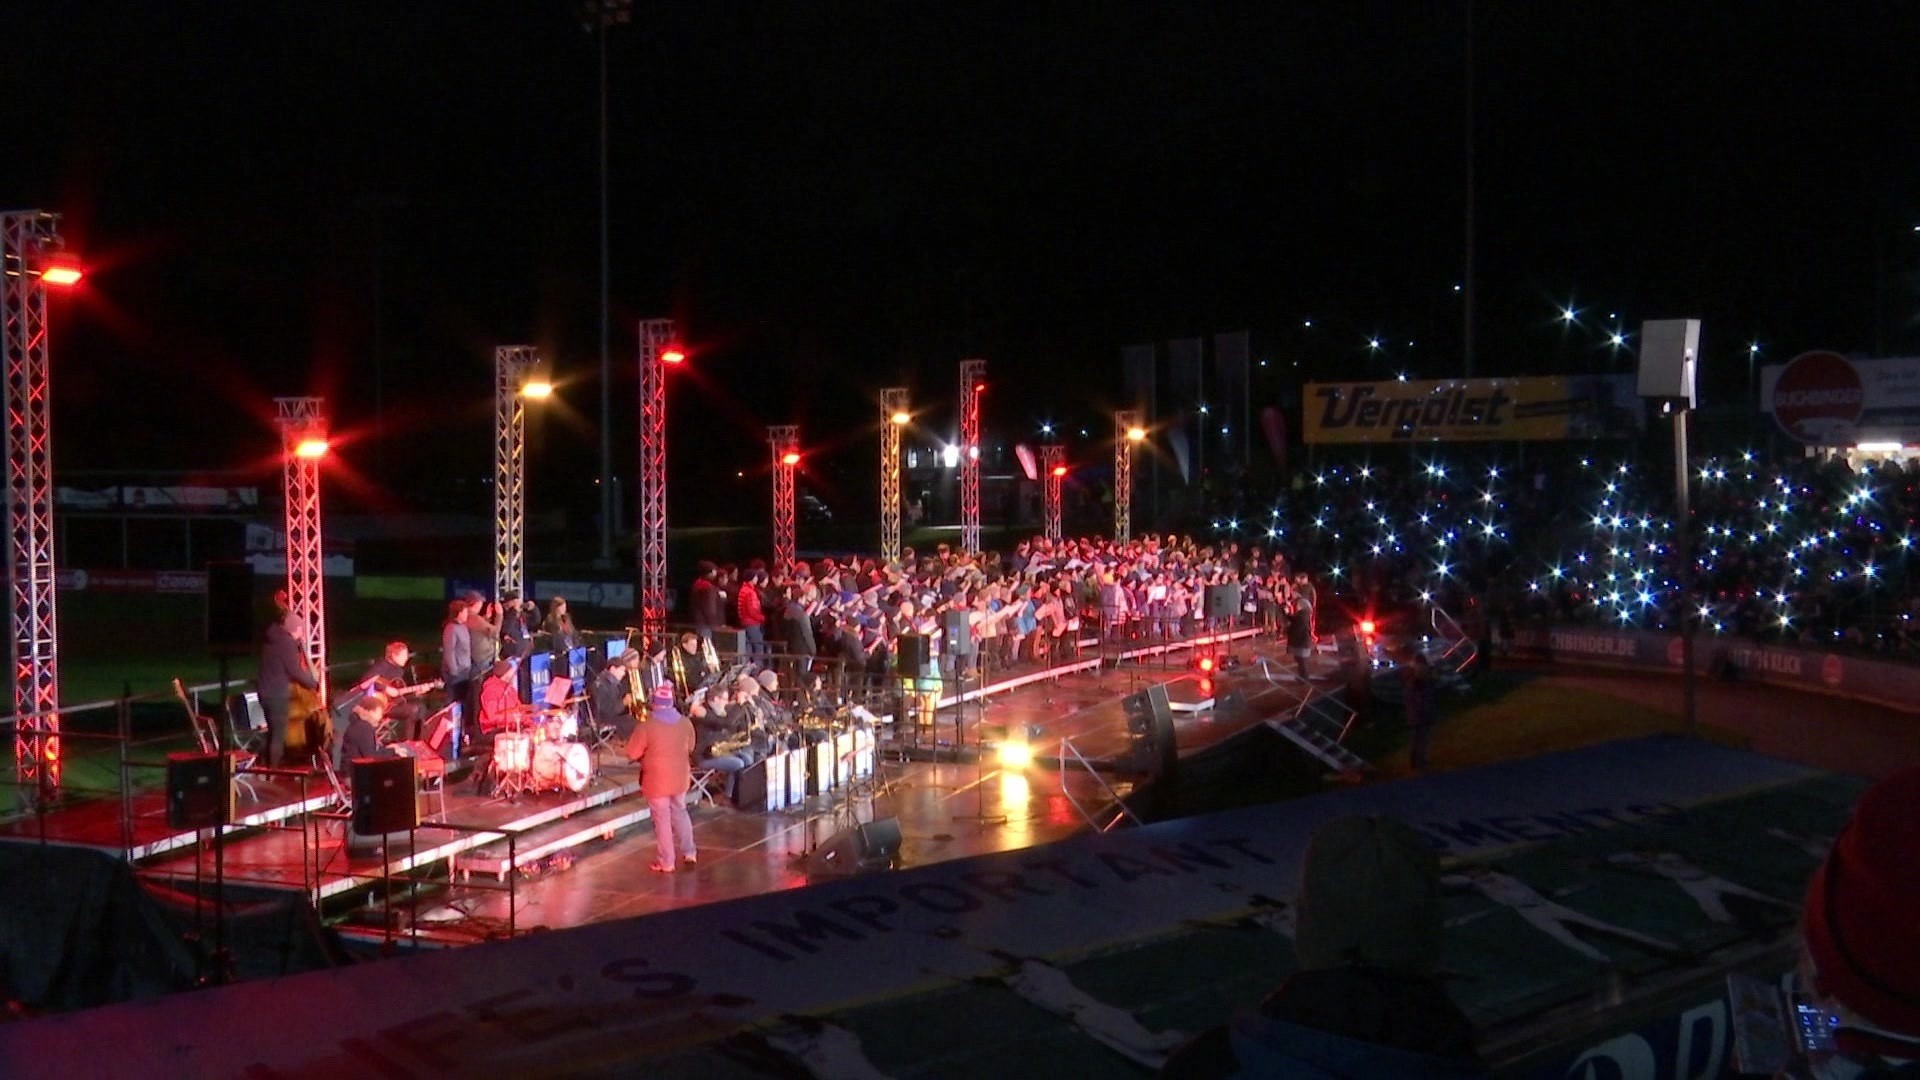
[
  {"x": 790, "y": 458},
  {"x": 1366, "y": 627},
  {"x": 62, "y": 273},
  {"x": 1059, "y": 470},
  {"x": 311, "y": 448},
  {"x": 672, "y": 355},
  {"x": 1206, "y": 663},
  {"x": 980, "y": 388}
]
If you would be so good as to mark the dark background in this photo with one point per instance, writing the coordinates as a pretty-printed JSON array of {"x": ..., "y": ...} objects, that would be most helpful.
[{"x": 836, "y": 197}]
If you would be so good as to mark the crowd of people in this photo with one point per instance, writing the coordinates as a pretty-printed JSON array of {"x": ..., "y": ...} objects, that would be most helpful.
[
  {"x": 1796, "y": 550},
  {"x": 1032, "y": 604}
]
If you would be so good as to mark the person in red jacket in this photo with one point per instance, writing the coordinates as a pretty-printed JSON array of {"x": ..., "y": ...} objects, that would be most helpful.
[
  {"x": 753, "y": 617},
  {"x": 663, "y": 748}
]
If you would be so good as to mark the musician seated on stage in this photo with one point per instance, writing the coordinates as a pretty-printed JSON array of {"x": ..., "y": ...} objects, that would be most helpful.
[
  {"x": 692, "y": 664},
  {"x": 500, "y": 706},
  {"x": 767, "y": 723},
  {"x": 716, "y": 743},
  {"x": 361, "y": 739},
  {"x": 387, "y": 673},
  {"x": 613, "y": 694}
]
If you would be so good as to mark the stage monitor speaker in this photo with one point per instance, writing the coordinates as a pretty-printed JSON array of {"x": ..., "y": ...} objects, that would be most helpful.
[
  {"x": 956, "y": 633},
  {"x": 384, "y": 795},
  {"x": 862, "y": 849},
  {"x": 1223, "y": 601},
  {"x": 230, "y": 628},
  {"x": 1146, "y": 709},
  {"x": 729, "y": 641},
  {"x": 199, "y": 791},
  {"x": 910, "y": 655}
]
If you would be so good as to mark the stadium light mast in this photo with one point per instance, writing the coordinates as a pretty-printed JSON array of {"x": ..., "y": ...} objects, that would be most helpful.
[
  {"x": 894, "y": 418},
  {"x": 973, "y": 383},
  {"x": 516, "y": 381},
  {"x": 599, "y": 17},
  {"x": 32, "y": 260}
]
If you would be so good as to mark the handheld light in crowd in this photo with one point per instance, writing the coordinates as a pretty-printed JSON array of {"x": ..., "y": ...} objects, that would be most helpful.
[{"x": 310, "y": 448}]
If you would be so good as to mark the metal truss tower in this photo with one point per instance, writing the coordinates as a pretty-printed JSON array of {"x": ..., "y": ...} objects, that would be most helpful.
[
  {"x": 303, "y": 442},
  {"x": 784, "y": 441},
  {"x": 973, "y": 383},
  {"x": 656, "y": 352},
  {"x": 1053, "y": 470},
  {"x": 1126, "y": 428},
  {"x": 894, "y": 417},
  {"x": 25, "y": 237},
  {"x": 513, "y": 366}
]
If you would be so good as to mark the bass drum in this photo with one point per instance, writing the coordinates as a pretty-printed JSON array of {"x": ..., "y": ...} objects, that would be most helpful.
[{"x": 561, "y": 765}]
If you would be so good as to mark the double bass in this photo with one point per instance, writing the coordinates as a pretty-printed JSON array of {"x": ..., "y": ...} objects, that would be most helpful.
[{"x": 309, "y": 726}]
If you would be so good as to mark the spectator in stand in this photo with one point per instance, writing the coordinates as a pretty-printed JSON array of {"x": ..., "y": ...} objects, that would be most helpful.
[
  {"x": 753, "y": 618},
  {"x": 708, "y": 602}
]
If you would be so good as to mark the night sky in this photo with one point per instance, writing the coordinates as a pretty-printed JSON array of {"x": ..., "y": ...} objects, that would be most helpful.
[{"x": 836, "y": 197}]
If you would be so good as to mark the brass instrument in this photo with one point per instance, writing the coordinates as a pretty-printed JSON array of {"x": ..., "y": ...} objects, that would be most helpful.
[{"x": 730, "y": 746}]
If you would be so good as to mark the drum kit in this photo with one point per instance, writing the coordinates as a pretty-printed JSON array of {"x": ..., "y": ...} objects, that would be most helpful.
[{"x": 542, "y": 753}]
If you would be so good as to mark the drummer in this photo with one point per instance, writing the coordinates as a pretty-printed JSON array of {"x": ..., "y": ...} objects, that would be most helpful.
[{"x": 500, "y": 706}]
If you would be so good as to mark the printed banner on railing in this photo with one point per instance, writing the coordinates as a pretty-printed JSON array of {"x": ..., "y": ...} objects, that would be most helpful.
[{"x": 1466, "y": 410}]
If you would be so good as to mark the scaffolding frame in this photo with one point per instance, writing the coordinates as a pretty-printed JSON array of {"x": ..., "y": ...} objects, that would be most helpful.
[
  {"x": 1124, "y": 421},
  {"x": 512, "y": 367},
  {"x": 973, "y": 381},
  {"x": 783, "y": 440},
  {"x": 1053, "y": 463},
  {"x": 893, "y": 402},
  {"x": 656, "y": 336},
  {"x": 26, "y": 236},
  {"x": 303, "y": 420}
]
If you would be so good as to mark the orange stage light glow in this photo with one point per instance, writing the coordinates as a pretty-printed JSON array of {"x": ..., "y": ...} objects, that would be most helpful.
[
  {"x": 673, "y": 356},
  {"x": 902, "y": 417},
  {"x": 310, "y": 448},
  {"x": 790, "y": 458},
  {"x": 1366, "y": 627},
  {"x": 1059, "y": 470},
  {"x": 62, "y": 274}
]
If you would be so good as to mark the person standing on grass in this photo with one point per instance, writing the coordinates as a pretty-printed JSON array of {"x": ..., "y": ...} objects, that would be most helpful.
[
  {"x": 1416, "y": 681},
  {"x": 663, "y": 748}
]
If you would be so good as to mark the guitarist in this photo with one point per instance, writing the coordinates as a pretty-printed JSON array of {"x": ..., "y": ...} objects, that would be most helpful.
[{"x": 388, "y": 674}]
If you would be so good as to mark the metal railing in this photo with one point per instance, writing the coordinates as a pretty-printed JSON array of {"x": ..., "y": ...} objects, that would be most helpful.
[{"x": 1117, "y": 808}]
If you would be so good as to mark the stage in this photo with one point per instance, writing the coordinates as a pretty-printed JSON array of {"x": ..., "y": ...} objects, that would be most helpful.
[{"x": 483, "y": 867}]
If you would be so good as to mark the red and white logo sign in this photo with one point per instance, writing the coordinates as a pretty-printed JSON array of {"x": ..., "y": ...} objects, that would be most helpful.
[{"x": 1818, "y": 398}]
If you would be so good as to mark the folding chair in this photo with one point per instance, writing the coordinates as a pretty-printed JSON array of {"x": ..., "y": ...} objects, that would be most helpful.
[
  {"x": 702, "y": 789},
  {"x": 206, "y": 732}
]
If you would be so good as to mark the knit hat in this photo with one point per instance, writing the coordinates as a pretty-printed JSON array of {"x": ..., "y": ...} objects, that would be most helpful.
[
  {"x": 1860, "y": 924},
  {"x": 1369, "y": 894}
]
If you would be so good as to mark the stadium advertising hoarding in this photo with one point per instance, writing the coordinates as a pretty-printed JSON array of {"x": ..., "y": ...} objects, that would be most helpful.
[
  {"x": 1826, "y": 399},
  {"x": 1473, "y": 410}
]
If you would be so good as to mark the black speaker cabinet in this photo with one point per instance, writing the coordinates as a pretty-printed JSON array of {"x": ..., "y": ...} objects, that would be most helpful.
[
  {"x": 863, "y": 849},
  {"x": 230, "y": 628},
  {"x": 384, "y": 796},
  {"x": 880, "y": 840},
  {"x": 910, "y": 655},
  {"x": 956, "y": 633},
  {"x": 199, "y": 791},
  {"x": 1147, "y": 709},
  {"x": 729, "y": 641},
  {"x": 1223, "y": 601}
]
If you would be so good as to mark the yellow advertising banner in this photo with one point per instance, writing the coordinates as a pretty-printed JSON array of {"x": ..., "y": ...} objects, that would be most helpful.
[{"x": 1463, "y": 410}]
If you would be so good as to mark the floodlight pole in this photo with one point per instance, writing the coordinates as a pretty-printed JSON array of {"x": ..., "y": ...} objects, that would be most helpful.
[
  {"x": 973, "y": 374},
  {"x": 656, "y": 336},
  {"x": 1683, "y": 543},
  {"x": 1053, "y": 463},
  {"x": 783, "y": 441},
  {"x": 303, "y": 421},
  {"x": 512, "y": 364},
  {"x": 26, "y": 236},
  {"x": 893, "y": 417}
]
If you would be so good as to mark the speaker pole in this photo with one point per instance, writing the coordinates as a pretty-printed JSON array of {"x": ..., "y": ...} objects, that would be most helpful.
[
  {"x": 222, "y": 744},
  {"x": 386, "y": 894}
]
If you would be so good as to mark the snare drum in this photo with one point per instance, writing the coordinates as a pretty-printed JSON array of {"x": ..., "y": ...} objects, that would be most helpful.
[
  {"x": 559, "y": 765},
  {"x": 513, "y": 752}
]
